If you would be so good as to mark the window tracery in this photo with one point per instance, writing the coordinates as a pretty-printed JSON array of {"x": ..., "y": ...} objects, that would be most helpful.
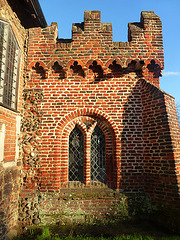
[{"x": 87, "y": 151}]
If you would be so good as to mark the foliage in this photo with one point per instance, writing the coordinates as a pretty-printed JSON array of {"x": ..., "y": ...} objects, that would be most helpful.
[
  {"x": 46, "y": 234},
  {"x": 128, "y": 237}
]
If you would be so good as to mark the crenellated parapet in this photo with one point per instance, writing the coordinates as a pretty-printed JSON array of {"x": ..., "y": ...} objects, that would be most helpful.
[{"x": 92, "y": 40}]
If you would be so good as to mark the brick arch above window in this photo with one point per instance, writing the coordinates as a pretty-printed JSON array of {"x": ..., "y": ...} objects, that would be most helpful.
[
  {"x": 94, "y": 113},
  {"x": 71, "y": 125},
  {"x": 86, "y": 125}
]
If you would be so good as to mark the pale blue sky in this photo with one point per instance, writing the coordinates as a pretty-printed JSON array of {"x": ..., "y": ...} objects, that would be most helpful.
[{"x": 119, "y": 13}]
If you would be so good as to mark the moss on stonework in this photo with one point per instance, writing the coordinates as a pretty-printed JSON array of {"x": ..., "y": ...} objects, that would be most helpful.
[
  {"x": 84, "y": 193},
  {"x": 72, "y": 207},
  {"x": 93, "y": 206}
]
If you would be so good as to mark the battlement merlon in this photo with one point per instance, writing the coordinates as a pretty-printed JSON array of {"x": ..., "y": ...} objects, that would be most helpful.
[
  {"x": 92, "y": 22},
  {"x": 150, "y": 19},
  {"x": 150, "y": 25},
  {"x": 148, "y": 32},
  {"x": 94, "y": 16}
]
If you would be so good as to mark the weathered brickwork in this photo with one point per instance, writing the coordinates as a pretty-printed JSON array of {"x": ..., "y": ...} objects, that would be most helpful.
[
  {"x": 161, "y": 147},
  {"x": 10, "y": 118},
  {"x": 90, "y": 83},
  {"x": 9, "y": 195},
  {"x": 73, "y": 206},
  {"x": 92, "y": 76}
]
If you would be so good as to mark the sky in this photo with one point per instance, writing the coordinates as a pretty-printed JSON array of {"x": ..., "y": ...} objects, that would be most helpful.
[{"x": 120, "y": 13}]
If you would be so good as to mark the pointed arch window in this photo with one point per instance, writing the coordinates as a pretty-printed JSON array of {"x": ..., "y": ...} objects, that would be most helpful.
[
  {"x": 76, "y": 155},
  {"x": 90, "y": 153},
  {"x": 98, "y": 155}
]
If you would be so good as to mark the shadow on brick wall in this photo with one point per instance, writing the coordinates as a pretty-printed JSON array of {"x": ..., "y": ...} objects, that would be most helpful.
[
  {"x": 132, "y": 144},
  {"x": 148, "y": 161}
]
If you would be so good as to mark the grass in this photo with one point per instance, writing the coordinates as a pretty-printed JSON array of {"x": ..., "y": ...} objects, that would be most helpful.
[
  {"x": 130, "y": 230},
  {"x": 47, "y": 235}
]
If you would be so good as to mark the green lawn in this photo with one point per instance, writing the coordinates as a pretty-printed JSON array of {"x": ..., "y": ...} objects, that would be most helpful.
[
  {"x": 47, "y": 235},
  {"x": 130, "y": 229},
  {"x": 71, "y": 234}
]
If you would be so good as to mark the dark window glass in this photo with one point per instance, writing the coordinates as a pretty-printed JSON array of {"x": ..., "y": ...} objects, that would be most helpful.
[
  {"x": 76, "y": 155},
  {"x": 9, "y": 51},
  {"x": 98, "y": 156}
]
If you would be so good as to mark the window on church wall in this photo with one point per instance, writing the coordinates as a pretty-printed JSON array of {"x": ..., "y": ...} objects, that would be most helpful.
[
  {"x": 97, "y": 156},
  {"x": 9, "y": 56},
  {"x": 76, "y": 155}
]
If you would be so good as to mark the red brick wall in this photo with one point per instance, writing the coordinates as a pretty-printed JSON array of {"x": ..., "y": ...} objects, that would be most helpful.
[
  {"x": 8, "y": 118},
  {"x": 90, "y": 78},
  {"x": 74, "y": 206},
  {"x": 74, "y": 86},
  {"x": 161, "y": 145}
]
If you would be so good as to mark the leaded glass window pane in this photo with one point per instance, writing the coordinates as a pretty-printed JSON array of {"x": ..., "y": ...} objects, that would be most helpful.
[
  {"x": 9, "y": 51},
  {"x": 76, "y": 155},
  {"x": 3, "y": 51},
  {"x": 98, "y": 156}
]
